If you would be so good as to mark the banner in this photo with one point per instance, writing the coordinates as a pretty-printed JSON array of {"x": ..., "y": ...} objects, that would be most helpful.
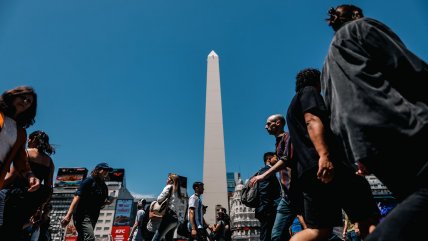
[
  {"x": 70, "y": 177},
  {"x": 120, "y": 233},
  {"x": 122, "y": 215},
  {"x": 116, "y": 175}
]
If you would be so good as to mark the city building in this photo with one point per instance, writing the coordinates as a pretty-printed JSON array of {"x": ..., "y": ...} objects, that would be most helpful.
[{"x": 243, "y": 223}]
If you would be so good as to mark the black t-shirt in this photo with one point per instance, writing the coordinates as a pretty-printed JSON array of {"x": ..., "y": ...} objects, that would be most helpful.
[
  {"x": 306, "y": 100},
  {"x": 93, "y": 195}
]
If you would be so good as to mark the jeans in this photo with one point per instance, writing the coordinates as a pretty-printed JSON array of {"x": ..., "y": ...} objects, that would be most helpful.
[
  {"x": 407, "y": 221},
  {"x": 85, "y": 228},
  {"x": 352, "y": 236},
  {"x": 266, "y": 225},
  {"x": 283, "y": 220},
  {"x": 168, "y": 223}
]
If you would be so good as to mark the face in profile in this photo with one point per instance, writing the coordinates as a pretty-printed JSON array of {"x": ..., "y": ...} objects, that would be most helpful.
[
  {"x": 271, "y": 126},
  {"x": 21, "y": 103}
]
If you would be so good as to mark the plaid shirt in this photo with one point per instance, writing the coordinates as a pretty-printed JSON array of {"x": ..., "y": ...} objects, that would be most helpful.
[{"x": 284, "y": 151}]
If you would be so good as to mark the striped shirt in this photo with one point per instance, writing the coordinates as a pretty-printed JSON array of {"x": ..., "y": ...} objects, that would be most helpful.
[
  {"x": 196, "y": 203},
  {"x": 284, "y": 152}
]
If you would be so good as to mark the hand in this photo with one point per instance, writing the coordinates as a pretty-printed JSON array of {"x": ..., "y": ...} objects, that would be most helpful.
[
  {"x": 255, "y": 179},
  {"x": 34, "y": 183},
  {"x": 362, "y": 170},
  {"x": 344, "y": 235},
  {"x": 194, "y": 233},
  {"x": 65, "y": 220},
  {"x": 325, "y": 169}
]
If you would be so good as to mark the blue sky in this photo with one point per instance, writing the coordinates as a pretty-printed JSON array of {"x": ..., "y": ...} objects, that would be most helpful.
[{"x": 124, "y": 81}]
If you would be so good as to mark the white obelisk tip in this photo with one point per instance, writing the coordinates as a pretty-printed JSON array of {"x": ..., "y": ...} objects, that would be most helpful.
[{"x": 212, "y": 54}]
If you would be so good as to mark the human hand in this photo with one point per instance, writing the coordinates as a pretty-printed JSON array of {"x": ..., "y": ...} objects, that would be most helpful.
[
  {"x": 362, "y": 170},
  {"x": 65, "y": 221},
  {"x": 194, "y": 233},
  {"x": 325, "y": 169},
  {"x": 255, "y": 179},
  {"x": 34, "y": 183}
]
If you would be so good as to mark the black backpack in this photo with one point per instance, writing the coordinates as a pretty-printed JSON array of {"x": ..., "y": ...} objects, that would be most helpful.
[{"x": 250, "y": 195}]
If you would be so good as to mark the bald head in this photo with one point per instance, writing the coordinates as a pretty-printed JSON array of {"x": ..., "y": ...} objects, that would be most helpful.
[{"x": 275, "y": 124}]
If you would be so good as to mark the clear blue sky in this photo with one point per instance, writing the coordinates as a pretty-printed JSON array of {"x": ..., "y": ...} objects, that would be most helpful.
[{"x": 124, "y": 81}]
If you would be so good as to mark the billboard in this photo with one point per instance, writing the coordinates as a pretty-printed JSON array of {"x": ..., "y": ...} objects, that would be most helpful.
[
  {"x": 120, "y": 233},
  {"x": 116, "y": 175},
  {"x": 70, "y": 177},
  {"x": 122, "y": 215}
]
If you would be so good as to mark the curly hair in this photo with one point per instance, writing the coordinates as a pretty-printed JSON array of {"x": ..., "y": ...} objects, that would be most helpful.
[
  {"x": 26, "y": 118},
  {"x": 343, "y": 14},
  {"x": 307, "y": 77},
  {"x": 41, "y": 139}
]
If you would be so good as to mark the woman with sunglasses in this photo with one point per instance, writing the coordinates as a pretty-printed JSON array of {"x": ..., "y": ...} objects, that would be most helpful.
[{"x": 17, "y": 112}]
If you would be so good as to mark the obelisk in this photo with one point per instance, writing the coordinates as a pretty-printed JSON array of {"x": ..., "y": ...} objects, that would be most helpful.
[{"x": 215, "y": 194}]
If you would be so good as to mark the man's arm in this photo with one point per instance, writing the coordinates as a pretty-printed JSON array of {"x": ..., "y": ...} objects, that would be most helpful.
[
  {"x": 278, "y": 166},
  {"x": 67, "y": 217},
  {"x": 316, "y": 133},
  {"x": 192, "y": 221}
]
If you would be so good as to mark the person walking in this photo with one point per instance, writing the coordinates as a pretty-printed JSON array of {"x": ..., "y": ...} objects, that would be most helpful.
[
  {"x": 328, "y": 182},
  {"x": 169, "y": 219},
  {"x": 269, "y": 193},
  {"x": 374, "y": 87},
  {"x": 17, "y": 112},
  {"x": 136, "y": 233},
  {"x": 196, "y": 214},
  {"x": 289, "y": 205},
  {"x": 87, "y": 203}
]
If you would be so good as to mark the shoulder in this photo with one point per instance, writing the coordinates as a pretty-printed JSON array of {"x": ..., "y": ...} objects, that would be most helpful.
[{"x": 88, "y": 181}]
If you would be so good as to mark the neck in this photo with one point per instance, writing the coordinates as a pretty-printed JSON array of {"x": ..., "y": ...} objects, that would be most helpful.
[{"x": 281, "y": 133}]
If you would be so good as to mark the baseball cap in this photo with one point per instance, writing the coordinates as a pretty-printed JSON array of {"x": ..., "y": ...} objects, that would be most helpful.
[{"x": 103, "y": 165}]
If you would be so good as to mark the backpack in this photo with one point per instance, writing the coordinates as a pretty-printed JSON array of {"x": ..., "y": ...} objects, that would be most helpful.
[{"x": 250, "y": 195}]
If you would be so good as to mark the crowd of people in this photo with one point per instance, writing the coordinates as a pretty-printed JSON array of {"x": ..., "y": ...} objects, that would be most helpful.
[{"x": 365, "y": 112}]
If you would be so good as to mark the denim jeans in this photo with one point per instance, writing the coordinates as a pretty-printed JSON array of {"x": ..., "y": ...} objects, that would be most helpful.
[
  {"x": 283, "y": 220},
  {"x": 85, "y": 228},
  {"x": 352, "y": 236}
]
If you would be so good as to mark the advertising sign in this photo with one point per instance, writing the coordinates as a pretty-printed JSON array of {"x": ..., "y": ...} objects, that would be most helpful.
[
  {"x": 120, "y": 233},
  {"x": 116, "y": 175},
  {"x": 70, "y": 177},
  {"x": 122, "y": 216}
]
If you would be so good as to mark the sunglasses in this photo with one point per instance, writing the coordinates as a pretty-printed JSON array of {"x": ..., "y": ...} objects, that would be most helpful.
[{"x": 26, "y": 99}]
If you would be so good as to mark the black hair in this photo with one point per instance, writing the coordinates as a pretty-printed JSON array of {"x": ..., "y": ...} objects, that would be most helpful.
[
  {"x": 268, "y": 155},
  {"x": 197, "y": 184},
  {"x": 342, "y": 14},
  {"x": 41, "y": 139},
  {"x": 307, "y": 77},
  {"x": 26, "y": 118}
]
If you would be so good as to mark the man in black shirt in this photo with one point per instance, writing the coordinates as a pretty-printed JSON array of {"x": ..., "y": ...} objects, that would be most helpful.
[
  {"x": 87, "y": 203},
  {"x": 327, "y": 181},
  {"x": 375, "y": 90},
  {"x": 269, "y": 195}
]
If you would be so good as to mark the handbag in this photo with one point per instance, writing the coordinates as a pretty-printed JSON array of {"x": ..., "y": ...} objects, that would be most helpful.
[{"x": 160, "y": 208}]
